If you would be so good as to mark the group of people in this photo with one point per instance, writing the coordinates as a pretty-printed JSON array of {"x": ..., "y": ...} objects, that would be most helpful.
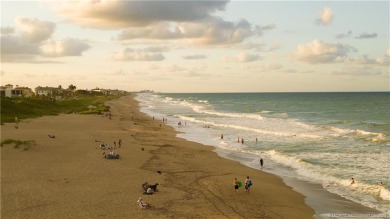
[
  {"x": 119, "y": 143},
  {"x": 238, "y": 139},
  {"x": 148, "y": 190},
  {"x": 247, "y": 185},
  {"x": 111, "y": 154},
  {"x": 353, "y": 182}
]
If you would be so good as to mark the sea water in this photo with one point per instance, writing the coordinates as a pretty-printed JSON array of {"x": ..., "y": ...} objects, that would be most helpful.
[{"x": 322, "y": 138}]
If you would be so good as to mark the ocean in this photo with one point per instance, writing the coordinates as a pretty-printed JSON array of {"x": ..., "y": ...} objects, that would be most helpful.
[{"x": 321, "y": 138}]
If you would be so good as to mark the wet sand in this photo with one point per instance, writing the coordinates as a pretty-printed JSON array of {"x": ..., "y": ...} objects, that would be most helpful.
[{"x": 67, "y": 176}]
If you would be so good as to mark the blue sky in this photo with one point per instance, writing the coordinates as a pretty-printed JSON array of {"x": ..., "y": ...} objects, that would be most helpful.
[{"x": 202, "y": 46}]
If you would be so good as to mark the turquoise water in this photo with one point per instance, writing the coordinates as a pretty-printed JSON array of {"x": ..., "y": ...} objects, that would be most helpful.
[{"x": 325, "y": 138}]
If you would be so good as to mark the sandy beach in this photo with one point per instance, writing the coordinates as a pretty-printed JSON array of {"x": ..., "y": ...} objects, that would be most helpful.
[{"x": 67, "y": 176}]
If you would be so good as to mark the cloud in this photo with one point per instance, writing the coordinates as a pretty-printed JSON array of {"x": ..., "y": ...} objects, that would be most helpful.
[
  {"x": 358, "y": 71},
  {"x": 275, "y": 47},
  {"x": 194, "y": 57},
  {"x": 157, "y": 49},
  {"x": 343, "y": 35},
  {"x": 326, "y": 16},
  {"x": 258, "y": 47},
  {"x": 242, "y": 58},
  {"x": 317, "y": 52},
  {"x": 34, "y": 30},
  {"x": 366, "y": 36},
  {"x": 66, "y": 47},
  {"x": 123, "y": 14},
  {"x": 129, "y": 54},
  {"x": 192, "y": 22},
  {"x": 4, "y": 31},
  {"x": 365, "y": 60},
  {"x": 16, "y": 45},
  {"x": 211, "y": 31},
  {"x": 271, "y": 67},
  {"x": 32, "y": 40},
  {"x": 120, "y": 72}
]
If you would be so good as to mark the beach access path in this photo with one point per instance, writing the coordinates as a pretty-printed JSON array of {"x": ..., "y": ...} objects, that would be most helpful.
[{"x": 67, "y": 176}]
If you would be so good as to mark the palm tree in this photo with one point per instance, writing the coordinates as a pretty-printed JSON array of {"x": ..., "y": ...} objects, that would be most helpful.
[{"x": 72, "y": 87}]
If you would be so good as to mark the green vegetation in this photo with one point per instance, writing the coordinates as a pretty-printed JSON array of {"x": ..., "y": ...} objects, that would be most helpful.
[
  {"x": 18, "y": 143},
  {"x": 24, "y": 108}
]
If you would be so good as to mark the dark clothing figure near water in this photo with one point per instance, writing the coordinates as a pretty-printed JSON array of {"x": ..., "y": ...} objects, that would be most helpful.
[{"x": 261, "y": 162}]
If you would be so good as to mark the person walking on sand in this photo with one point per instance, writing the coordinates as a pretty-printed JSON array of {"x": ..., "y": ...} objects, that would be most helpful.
[
  {"x": 261, "y": 163},
  {"x": 119, "y": 143},
  {"x": 16, "y": 122},
  {"x": 353, "y": 181},
  {"x": 235, "y": 184},
  {"x": 221, "y": 136},
  {"x": 248, "y": 184}
]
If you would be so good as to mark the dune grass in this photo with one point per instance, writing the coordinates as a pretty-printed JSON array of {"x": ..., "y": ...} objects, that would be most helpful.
[
  {"x": 24, "y": 108},
  {"x": 17, "y": 143}
]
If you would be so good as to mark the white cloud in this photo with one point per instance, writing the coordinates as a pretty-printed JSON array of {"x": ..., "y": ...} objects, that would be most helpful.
[
  {"x": 275, "y": 47},
  {"x": 258, "y": 47},
  {"x": 157, "y": 49},
  {"x": 32, "y": 40},
  {"x": 192, "y": 22},
  {"x": 34, "y": 30},
  {"x": 129, "y": 54},
  {"x": 242, "y": 58},
  {"x": 210, "y": 31},
  {"x": 66, "y": 47},
  {"x": 320, "y": 52},
  {"x": 358, "y": 71},
  {"x": 194, "y": 57},
  {"x": 16, "y": 45},
  {"x": 123, "y": 14},
  {"x": 4, "y": 31},
  {"x": 365, "y": 60},
  {"x": 326, "y": 16}
]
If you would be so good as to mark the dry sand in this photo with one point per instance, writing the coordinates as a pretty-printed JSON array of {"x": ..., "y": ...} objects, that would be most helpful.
[{"x": 67, "y": 177}]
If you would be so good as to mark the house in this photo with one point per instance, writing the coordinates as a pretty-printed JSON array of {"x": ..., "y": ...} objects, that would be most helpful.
[
  {"x": 9, "y": 91},
  {"x": 48, "y": 91}
]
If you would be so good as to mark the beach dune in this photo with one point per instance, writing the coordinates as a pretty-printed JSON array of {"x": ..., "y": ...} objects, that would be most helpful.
[{"x": 68, "y": 177}]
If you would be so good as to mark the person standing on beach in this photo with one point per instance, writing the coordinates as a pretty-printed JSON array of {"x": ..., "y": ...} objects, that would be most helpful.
[
  {"x": 248, "y": 184},
  {"x": 119, "y": 143},
  {"x": 16, "y": 122},
  {"x": 235, "y": 184},
  {"x": 261, "y": 163},
  {"x": 221, "y": 136},
  {"x": 353, "y": 181}
]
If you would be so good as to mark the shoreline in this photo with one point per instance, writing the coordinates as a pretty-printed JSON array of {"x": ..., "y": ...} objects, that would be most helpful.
[
  {"x": 318, "y": 198},
  {"x": 68, "y": 176}
]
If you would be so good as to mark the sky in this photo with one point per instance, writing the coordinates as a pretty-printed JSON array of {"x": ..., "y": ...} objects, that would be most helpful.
[{"x": 197, "y": 46}]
